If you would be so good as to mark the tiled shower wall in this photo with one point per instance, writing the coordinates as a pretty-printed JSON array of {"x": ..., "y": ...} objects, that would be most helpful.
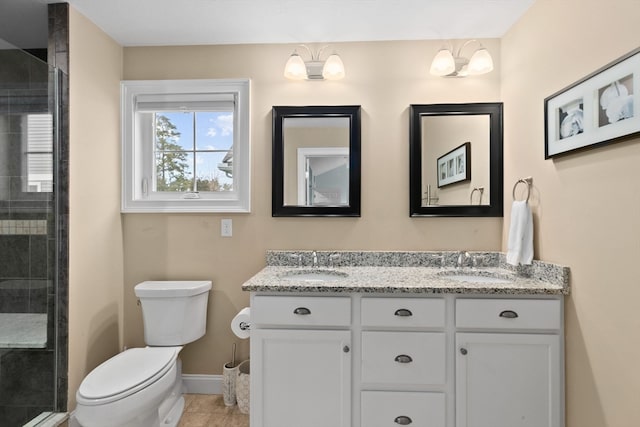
[{"x": 27, "y": 242}]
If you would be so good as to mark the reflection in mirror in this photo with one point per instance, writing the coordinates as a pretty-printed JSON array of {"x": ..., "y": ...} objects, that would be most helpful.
[
  {"x": 316, "y": 161},
  {"x": 451, "y": 146},
  {"x": 456, "y": 160}
]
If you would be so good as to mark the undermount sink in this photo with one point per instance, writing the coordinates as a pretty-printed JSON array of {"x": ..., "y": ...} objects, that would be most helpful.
[
  {"x": 314, "y": 275},
  {"x": 473, "y": 277}
]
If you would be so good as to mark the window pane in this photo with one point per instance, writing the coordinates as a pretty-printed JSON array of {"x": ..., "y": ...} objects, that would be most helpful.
[
  {"x": 174, "y": 171},
  {"x": 174, "y": 131},
  {"x": 214, "y": 130},
  {"x": 214, "y": 171},
  {"x": 40, "y": 172}
]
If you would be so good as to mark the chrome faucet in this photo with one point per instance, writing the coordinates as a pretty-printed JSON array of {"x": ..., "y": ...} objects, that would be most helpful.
[
  {"x": 331, "y": 259},
  {"x": 315, "y": 259},
  {"x": 464, "y": 255}
]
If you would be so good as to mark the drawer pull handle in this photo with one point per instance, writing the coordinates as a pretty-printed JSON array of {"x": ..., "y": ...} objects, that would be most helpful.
[
  {"x": 302, "y": 311},
  {"x": 403, "y": 420},
  {"x": 403, "y": 358},
  {"x": 508, "y": 314},
  {"x": 403, "y": 312},
  {"x": 463, "y": 351}
]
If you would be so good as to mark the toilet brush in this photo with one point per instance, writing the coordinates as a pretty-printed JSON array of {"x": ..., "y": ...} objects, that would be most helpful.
[{"x": 229, "y": 374}]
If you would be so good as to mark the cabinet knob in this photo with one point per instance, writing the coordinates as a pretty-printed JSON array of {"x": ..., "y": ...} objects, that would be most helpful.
[
  {"x": 302, "y": 311},
  {"x": 403, "y": 420},
  {"x": 463, "y": 351},
  {"x": 403, "y": 358},
  {"x": 403, "y": 312},
  {"x": 346, "y": 349},
  {"x": 508, "y": 314}
]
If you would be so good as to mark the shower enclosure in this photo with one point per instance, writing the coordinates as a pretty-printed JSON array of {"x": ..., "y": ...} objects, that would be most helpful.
[{"x": 29, "y": 229}]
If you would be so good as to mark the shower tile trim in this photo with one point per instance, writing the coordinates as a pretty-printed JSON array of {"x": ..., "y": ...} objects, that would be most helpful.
[{"x": 23, "y": 227}]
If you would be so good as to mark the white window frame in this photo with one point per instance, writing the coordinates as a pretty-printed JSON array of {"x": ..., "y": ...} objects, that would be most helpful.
[{"x": 137, "y": 152}]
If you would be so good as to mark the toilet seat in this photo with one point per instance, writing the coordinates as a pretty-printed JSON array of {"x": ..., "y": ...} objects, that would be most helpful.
[{"x": 125, "y": 374}]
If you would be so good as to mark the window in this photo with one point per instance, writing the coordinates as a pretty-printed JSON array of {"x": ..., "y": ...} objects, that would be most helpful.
[
  {"x": 38, "y": 159},
  {"x": 185, "y": 146}
]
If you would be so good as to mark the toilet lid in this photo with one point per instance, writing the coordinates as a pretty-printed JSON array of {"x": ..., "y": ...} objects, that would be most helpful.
[{"x": 128, "y": 372}]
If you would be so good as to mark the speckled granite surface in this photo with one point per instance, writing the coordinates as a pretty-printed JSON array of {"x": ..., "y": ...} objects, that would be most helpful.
[{"x": 406, "y": 272}]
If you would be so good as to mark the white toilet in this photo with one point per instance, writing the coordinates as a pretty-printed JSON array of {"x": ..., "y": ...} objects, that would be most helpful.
[{"x": 142, "y": 387}]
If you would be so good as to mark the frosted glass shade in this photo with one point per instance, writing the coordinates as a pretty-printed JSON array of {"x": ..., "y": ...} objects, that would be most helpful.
[
  {"x": 443, "y": 63},
  {"x": 295, "y": 68},
  {"x": 480, "y": 63},
  {"x": 333, "y": 68}
]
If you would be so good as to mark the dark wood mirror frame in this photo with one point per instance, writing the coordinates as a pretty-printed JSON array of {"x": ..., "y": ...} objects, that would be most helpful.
[
  {"x": 496, "y": 176},
  {"x": 279, "y": 113}
]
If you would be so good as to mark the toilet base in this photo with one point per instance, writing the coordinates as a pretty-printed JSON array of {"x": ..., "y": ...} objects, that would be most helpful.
[{"x": 167, "y": 413}]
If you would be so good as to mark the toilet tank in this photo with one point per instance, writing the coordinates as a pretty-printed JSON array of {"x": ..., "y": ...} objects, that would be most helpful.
[{"x": 173, "y": 312}]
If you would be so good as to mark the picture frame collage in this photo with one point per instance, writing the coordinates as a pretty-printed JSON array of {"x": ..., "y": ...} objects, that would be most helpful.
[
  {"x": 599, "y": 109},
  {"x": 455, "y": 166}
]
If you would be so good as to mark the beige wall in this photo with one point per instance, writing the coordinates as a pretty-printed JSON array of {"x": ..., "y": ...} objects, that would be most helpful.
[
  {"x": 555, "y": 44},
  {"x": 586, "y": 205},
  {"x": 95, "y": 240},
  {"x": 384, "y": 78}
]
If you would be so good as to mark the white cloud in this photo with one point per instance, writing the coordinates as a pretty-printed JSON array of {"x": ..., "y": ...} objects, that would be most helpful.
[
  {"x": 212, "y": 132},
  {"x": 225, "y": 123}
]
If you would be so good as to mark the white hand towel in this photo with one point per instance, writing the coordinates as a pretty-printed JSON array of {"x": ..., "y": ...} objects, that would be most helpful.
[{"x": 520, "y": 244}]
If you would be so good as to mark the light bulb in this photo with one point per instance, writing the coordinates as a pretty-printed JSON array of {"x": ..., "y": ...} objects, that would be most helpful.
[
  {"x": 480, "y": 62},
  {"x": 443, "y": 63},
  {"x": 295, "y": 69},
  {"x": 333, "y": 68}
]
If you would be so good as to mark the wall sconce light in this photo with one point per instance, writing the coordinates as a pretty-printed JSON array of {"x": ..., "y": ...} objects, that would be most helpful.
[
  {"x": 314, "y": 69},
  {"x": 445, "y": 64}
]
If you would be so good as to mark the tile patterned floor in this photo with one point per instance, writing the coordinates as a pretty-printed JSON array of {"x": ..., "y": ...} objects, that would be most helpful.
[{"x": 208, "y": 410}]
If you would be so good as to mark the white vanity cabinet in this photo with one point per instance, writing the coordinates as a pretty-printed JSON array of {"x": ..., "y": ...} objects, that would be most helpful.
[
  {"x": 424, "y": 360},
  {"x": 300, "y": 361},
  {"x": 509, "y": 363}
]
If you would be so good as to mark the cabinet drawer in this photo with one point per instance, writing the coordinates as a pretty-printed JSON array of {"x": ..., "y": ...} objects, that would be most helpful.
[
  {"x": 393, "y": 409},
  {"x": 301, "y": 311},
  {"x": 403, "y": 312},
  {"x": 508, "y": 314},
  {"x": 403, "y": 357}
]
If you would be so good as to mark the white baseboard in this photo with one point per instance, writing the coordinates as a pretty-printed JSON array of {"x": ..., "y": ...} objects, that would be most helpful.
[{"x": 202, "y": 384}]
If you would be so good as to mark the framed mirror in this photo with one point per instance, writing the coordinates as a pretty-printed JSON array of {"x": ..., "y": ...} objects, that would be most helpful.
[
  {"x": 455, "y": 160},
  {"x": 316, "y": 161}
]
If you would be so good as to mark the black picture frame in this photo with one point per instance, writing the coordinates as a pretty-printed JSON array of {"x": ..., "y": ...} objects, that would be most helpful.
[
  {"x": 454, "y": 166},
  {"x": 599, "y": 109}
]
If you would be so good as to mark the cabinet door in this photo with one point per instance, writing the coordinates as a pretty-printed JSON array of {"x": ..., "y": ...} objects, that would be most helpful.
[
  {"x": 300, "y": 378},
  {"x": 508, "y": 380}
]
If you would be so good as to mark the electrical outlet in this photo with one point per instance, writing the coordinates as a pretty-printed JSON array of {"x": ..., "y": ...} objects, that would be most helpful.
[{"x": 226, "y": 228}]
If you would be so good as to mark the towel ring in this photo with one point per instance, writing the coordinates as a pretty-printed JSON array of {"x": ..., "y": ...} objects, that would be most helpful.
[
  {"x": 478, "y": 189},
  {"x": 527, "y": 182}
]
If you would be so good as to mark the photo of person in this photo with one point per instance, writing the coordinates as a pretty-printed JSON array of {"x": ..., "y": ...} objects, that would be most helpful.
[
  {"x": 571, "y": 119},
  {"x": 616, "y": 101}
]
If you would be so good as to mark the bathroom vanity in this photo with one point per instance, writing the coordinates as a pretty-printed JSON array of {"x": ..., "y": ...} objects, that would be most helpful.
[{"x": 436, "y": 339}]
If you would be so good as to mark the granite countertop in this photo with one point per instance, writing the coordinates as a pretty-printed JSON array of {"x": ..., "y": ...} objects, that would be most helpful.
[{"x": 406, "y": 272}]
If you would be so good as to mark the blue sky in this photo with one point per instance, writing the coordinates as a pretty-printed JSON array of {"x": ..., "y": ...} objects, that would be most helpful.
[{"x": 214, "y": 131}]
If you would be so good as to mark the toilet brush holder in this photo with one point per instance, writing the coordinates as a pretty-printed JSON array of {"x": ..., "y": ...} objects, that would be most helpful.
[{"x": 229, "y": 376}]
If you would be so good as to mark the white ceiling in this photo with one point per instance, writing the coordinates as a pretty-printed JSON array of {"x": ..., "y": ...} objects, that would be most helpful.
[{"x": 189, "y": 22}]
